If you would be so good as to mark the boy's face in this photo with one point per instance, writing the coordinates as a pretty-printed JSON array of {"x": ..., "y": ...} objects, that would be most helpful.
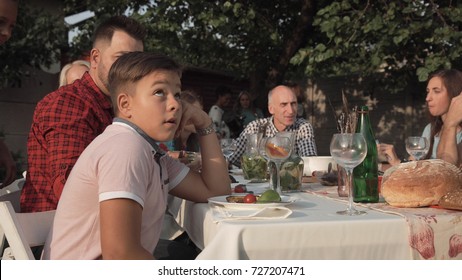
[{"x": 155, "y": 106}]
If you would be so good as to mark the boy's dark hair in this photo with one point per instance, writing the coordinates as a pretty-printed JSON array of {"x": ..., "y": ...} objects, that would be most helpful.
[
  {"x": 222, "y": 90},
  {"x": 132, "y": 67},
  {"x": 105, "y": 30}
]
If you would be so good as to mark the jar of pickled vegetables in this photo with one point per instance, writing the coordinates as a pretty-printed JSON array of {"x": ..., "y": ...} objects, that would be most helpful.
[{"x": 254, "y": 166}]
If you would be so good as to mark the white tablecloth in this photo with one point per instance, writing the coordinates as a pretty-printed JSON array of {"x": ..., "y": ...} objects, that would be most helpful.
[{"x": 313, "y": 231}]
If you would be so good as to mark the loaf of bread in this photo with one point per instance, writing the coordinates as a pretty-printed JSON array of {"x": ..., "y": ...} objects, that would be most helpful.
[
  {"x": 452, "y": 200},
  {"x": 420, "y": 183}
]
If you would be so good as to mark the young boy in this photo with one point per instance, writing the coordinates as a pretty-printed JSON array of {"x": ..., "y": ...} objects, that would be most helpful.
[{"x": 114, "y": 201}]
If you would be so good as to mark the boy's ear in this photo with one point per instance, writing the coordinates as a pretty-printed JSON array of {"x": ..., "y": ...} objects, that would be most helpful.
[{"x": 123, "y": 104}]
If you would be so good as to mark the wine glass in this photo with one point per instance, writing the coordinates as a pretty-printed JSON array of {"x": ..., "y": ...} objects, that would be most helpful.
[
  {"x": 228, "y": 147},
  {"x": 278, "y": 149},
  {"x": 417, "y": 146},
  {"x": 349, "y": 150}
]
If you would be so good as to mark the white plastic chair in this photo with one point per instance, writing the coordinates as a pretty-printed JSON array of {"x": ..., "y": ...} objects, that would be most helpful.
[
  {"x": 12, "y": 193},
  {"x": 23, "y": 231}
]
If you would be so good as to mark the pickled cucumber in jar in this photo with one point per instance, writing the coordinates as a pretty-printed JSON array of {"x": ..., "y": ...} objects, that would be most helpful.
[
  {"x": 254, "y": 168},
  {"x": 291, "y": 174}
]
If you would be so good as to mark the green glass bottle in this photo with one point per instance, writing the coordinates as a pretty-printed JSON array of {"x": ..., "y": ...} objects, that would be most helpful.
[{"x": 365, "y": 175}]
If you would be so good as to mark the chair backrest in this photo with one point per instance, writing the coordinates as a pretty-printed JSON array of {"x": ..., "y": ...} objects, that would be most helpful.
[
  {"x": 23, "y": 231},
  {"x": 12, "y": 193}
]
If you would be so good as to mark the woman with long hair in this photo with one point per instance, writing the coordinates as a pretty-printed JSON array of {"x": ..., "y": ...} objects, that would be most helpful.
[
  {"x": 443, "y": 89},
  {"x": 443, "y": 86},
  {"x": 245, "y": 110}
]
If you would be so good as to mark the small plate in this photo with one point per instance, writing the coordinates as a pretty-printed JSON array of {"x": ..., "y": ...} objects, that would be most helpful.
[{"x": 221, "y": 200}]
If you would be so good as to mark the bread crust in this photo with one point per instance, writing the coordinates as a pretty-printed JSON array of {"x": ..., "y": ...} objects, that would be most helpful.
[
  {"x": 420, "y": 183},
  {"x": 452, "y": 200}
]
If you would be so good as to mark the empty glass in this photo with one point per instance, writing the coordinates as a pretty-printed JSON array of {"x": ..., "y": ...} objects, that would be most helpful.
[
  {"x": 417, "y": 146},
  {"x": 349, "y": 150}
]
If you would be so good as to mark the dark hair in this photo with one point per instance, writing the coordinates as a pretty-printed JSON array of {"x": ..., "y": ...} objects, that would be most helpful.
[
  {"x": 133, "y": 66},
  {"x": 106, "y": 30},
  {"x": 452, "y": 81}
]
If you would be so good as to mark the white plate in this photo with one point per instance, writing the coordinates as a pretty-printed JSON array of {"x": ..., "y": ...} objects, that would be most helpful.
[{"x": 221, "y": 200}]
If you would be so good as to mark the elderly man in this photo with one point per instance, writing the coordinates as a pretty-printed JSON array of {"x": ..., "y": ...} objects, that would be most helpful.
[{"x": 282, "y": 105}]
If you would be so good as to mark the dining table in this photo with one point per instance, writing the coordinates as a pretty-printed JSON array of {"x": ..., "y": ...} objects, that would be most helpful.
[{"x": 307, "y": 227}]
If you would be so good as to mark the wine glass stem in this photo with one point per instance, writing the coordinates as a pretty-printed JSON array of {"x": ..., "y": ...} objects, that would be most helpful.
[
  {"x": 351, "y": 207},
  {"x": 269, "y": 167},
  {"x": 278, "y": 180}
]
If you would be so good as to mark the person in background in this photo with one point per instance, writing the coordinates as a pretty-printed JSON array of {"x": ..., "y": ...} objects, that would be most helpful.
[
  {"x": 282, "y": 105},
  {"x": 68, "y": 119},
  {"x": 73, "y": 71},
  {"x": 188, "y": 139},
  {"x": 245, "y": 110},
  {"x": 445, "y": 122},
  {"x": 8, "y": 14},
  {"x": 216, "y": 112},
  {"x": 115, "y": 198},
  {"x": 387, "y": 155}
]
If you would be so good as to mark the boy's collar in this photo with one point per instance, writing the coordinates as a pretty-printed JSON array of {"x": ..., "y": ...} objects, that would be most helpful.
[{"x": 143, "y": 134}]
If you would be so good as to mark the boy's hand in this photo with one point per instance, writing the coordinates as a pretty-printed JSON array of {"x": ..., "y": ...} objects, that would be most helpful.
[{"x": 194, "y": 116}]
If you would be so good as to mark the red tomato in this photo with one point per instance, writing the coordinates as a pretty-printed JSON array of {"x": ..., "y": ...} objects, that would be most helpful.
[
  {"x": 250, "y": 198},
  {"x": 240, "y": 188}
]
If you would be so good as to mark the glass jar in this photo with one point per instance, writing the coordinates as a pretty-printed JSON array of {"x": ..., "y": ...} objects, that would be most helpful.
[
  {"x": 254, "y": 166},
  {"x": 291, "y": 172}
]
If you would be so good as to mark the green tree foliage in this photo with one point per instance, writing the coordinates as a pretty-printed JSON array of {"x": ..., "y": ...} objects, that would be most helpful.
[
  {"x": 252, "y": 39},
  {"x": 268, "y": 41},
  {"x": 36, "y": 41},
  {"x": 403, "y": 40}
]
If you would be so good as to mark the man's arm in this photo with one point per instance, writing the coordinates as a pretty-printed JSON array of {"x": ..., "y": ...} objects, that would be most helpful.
[
  {"x": 67, "y": 131},
  {"x": 448, "y": 149}
]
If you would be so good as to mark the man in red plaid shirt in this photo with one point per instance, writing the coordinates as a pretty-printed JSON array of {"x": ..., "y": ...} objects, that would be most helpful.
[{"x": 68, "y": 119}]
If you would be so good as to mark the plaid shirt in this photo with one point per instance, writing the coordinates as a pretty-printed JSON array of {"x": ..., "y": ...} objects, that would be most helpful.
[
  {"x": 64, "y": 123},
  {"x": 304, "y": 141}
]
